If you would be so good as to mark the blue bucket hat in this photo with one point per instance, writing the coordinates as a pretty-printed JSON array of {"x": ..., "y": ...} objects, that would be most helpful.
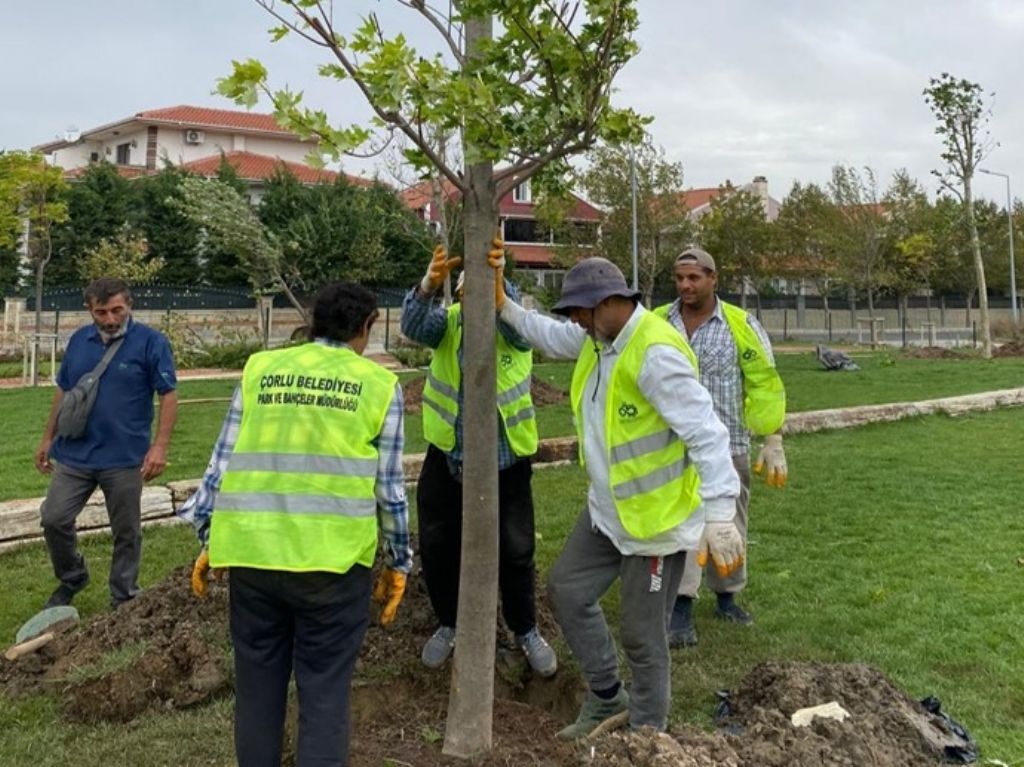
[{"x": 589, "y": 283}]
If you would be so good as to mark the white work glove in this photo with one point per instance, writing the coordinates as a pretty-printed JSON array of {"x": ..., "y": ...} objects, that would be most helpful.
[
  {"x": 725, "y": 544},
  {"x": 772, "y": 461},
  {"x": 438, "y": 270}
]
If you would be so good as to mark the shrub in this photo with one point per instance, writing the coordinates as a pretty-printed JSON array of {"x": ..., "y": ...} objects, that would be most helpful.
[{"x": 412, "y": 356}]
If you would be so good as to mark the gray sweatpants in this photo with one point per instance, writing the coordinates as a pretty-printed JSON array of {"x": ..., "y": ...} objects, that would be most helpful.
[
  {"x": 735, "y": 582},
  {"x": 585, "y": 570},
  {"x": 69, "y": 490}
]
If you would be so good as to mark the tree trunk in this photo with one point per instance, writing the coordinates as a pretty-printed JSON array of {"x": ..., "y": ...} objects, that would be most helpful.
[
  {"x": 979, "y": 270},
  {"x": 40, "y": 266},
  {"x": 471, "y": 699}
]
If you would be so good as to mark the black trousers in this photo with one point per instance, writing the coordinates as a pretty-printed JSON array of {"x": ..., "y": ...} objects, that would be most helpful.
[
  {"x": 439, "y": 509},
  {"x": 314, "y": 622}
]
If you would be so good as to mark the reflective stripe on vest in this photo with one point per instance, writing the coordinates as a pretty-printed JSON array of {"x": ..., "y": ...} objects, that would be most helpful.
[
  {"x": 653, "y": 487},
  {"x": 441, "y": 391},
  {"x": 298, "y": 491},
  {"x": 764, "y": 396}
]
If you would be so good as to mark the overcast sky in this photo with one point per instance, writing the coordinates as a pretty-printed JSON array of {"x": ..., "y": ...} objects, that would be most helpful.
[{"x": 738, "y": 88}]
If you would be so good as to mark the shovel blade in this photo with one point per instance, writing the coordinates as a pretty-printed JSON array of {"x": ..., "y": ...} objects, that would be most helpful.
[{"x": 43, "y": 620}]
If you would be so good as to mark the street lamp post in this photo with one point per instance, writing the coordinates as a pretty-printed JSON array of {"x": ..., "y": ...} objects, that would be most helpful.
[
  {"x": 632, "y": 182},
  {"x": 1009, "y": 216}
]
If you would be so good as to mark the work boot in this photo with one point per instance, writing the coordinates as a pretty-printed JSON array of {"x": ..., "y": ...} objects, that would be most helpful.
[
  {"x": 439, "y": 647},
  {"x": 728, "y": 610},
  {"x": 595, "y": 711},
  {"x": 538, "y": 652},
  {"x": 65, "y": 592},
  {"x": 681, "y": 631}
]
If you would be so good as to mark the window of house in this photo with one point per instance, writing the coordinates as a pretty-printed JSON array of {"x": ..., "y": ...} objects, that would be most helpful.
[
  {"x": 522, "y": 230},
  {"x": 522, "y": 192},
  {"x": 124, "y": 152}
]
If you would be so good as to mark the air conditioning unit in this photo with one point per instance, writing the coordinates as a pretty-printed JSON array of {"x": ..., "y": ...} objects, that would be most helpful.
[{"x": 193, "y": 136}]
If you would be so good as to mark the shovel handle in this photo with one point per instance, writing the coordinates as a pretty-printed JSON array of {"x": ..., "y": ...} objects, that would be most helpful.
[{"x": 16, "y": 651}]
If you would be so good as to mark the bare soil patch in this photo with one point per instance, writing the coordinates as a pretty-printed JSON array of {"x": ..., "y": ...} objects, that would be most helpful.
[{"x": 168, "y": 650}]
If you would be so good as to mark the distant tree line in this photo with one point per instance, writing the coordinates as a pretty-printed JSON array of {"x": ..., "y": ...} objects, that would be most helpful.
[
  {"x": 144, "y": 229},
  {"x": 845, "y": 238}
]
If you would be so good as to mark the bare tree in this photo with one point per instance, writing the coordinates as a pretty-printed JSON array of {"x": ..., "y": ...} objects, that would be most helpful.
[{"x": 963, "y": 117}]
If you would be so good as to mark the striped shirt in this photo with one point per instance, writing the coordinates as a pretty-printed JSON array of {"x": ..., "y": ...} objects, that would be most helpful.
[
  {"x": 389, "y": 489},
  {"x": 425, "y": 321},
  {"x": 720, "y": 371}
]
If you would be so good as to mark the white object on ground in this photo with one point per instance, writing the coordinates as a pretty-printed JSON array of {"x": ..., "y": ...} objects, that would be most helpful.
[{"x": 830, "y": 710}]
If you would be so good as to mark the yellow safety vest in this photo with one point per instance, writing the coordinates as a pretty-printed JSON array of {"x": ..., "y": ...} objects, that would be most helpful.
[
  {"x": 764, "y": 396},
  {"x": 441, "y": 391},
  {"x": 298, "y": 492},
  {"x": 653, "y": 487}
]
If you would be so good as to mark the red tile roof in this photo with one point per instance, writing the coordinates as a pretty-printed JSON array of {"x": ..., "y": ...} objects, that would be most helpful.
[
  {"x": 125, "y": 171},
  {"x": 696, "y": 198},
  {"x": 259, "y": 167},
  {"x": 417, "y": 196},
  {"x": 204, "y": 117}
]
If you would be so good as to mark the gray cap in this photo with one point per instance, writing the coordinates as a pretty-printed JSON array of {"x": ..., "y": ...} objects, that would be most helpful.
[
  {"x": 589, "y": 283},
  {"x": 698, "y": 257}
]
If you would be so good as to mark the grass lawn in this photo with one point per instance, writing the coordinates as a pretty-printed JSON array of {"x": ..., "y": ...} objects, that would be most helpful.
[
  {"x": 882, "y": 378},
  {"x": 890, "y": 546}
]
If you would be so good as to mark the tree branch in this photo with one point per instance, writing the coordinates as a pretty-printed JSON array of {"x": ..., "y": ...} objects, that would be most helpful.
[{"x": 432, "y": 16}]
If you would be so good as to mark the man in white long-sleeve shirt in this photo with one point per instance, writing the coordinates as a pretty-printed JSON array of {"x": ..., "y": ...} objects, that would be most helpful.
[{"x": 647, "y": 431}]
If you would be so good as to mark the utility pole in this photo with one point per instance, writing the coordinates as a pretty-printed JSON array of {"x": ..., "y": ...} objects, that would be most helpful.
[{"x": 1009, "y": 218}]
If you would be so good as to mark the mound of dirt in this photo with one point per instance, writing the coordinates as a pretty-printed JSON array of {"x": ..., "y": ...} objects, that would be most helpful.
[
  {"x": 1009, "y": 349},
  {"x": 542, "y": 392},
  {"x": 163, "y": 649},
  {"x": 167, "y": 650},
  {"x": 885, "y": 726},
  {"x": 936, "y": 353}
]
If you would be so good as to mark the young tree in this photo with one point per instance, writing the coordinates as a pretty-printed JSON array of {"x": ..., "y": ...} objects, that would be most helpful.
[
  {"x": 805, "y": 237},
  {"x": 736, "y": 232},
  {"x": 125, "y": 256},
  {"x": 861, "y": 240},
  {"x": 227, "y": 222},
  {"x": 31, "y": 203},
  {"x": 662, "y": 226},
  {"x": 532, "y": 95},
  {"x": 963, "y": 116},
  {"x": 910, "y": 251}
]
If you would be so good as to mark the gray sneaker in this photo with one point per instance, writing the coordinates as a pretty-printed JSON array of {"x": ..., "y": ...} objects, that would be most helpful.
[
  {"x": 594, "y": 712},
  {"x": 439, "y": 647},
  {"x": 538, "y": 652}
]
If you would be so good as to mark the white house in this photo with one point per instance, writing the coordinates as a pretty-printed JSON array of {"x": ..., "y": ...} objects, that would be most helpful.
[{"x": 194, "y": 138}]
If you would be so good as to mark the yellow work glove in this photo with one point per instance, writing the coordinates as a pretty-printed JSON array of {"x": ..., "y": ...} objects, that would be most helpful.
[
  {"x": 772, "y": 461},
  {"x": 496, "y": 258},
  {"x": 725, "y": 544},
  {"x": 439, "y": 269},
  {"x": 201, "y": 573},
  {"x": 388, "y": 593}
]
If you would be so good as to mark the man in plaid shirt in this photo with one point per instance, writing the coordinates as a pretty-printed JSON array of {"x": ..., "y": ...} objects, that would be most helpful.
[{"x": 701, "y": 317}]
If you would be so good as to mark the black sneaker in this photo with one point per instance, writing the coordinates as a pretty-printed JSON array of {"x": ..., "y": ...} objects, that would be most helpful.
[
  {"x": 681, "y": 631},
  {"x": 64, "y": 593},
  {"x": 728, "y": 610}
]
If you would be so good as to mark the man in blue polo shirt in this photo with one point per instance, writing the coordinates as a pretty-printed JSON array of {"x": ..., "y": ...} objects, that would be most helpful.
[{"x": 115, "y": 452}]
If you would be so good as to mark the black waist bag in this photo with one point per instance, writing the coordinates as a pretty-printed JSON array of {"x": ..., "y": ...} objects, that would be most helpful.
[{"x": 77, "y": 403}]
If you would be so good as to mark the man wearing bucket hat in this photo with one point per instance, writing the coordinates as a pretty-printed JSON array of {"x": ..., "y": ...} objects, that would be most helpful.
[
  {"x": 737, "y": 367},
  {"x": 648, "y": 436}
]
